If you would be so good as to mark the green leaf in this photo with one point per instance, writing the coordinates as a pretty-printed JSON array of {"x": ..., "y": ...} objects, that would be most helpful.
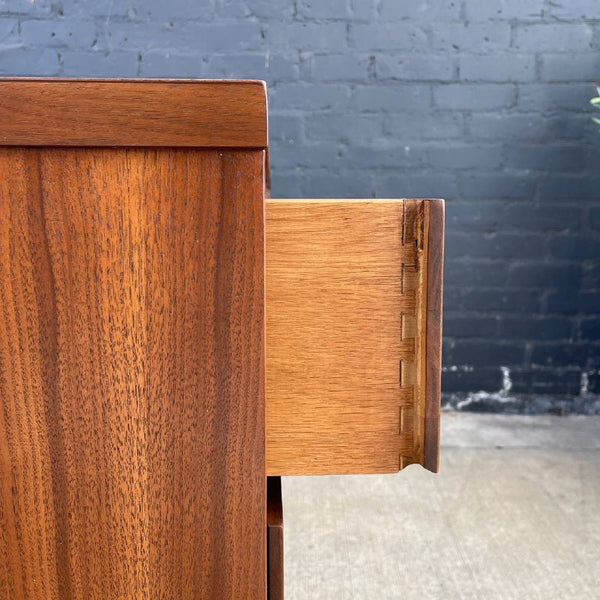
[
  {"x": 596, "y": 120},
  {"x": 595, "y": 101}
]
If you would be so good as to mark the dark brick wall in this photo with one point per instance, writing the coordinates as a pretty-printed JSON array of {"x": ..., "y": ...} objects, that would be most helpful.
[{"x": 483, "y": 103}]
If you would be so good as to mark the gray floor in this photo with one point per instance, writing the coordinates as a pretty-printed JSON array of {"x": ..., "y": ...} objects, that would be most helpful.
[{"x": 513, "y": 514}]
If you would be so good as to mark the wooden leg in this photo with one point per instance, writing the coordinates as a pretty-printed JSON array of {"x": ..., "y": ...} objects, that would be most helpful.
[{"x": 275, "y": 538}]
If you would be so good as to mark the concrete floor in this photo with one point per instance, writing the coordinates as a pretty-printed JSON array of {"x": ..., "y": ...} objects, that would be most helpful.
[{"x": 513, "y": 514}]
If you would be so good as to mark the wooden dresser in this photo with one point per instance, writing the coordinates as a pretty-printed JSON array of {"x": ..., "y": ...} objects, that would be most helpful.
[{"x": 171, "y": 336}]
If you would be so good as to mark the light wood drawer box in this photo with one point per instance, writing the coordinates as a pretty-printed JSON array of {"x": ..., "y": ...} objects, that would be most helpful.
[{"x": 353, "y": 317}]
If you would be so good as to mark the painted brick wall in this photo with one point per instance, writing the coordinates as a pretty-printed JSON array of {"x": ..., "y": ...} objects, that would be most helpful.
[{"x": 483, "y": 103}]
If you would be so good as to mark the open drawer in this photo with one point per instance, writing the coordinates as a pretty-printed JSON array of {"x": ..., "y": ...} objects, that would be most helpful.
[{"x": 353, "y": 322}]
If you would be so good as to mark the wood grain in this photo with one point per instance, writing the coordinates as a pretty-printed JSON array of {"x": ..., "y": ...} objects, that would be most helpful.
[
  {"x": 347, "y": 349},
  {"x": 275, "y": 538},
  {"x": 131, "y": 374},
  {"x": 435, "y": 268},
  {"x": 181, "y": 113}
]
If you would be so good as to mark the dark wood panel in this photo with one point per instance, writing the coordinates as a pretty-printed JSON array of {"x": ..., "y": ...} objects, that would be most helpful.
[
  {"x": 435, "y": 268},
  {"x": 275, "y": 538},
  {"x": 131, "y": 374},
  {"x": 182, "y": 113}
]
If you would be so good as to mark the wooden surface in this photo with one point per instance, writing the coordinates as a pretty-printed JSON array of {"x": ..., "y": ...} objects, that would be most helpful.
[
  {"x": 197, "y": 113},
  {"x": 435, "y": 270},
  {"x": 131, "y": 374},
  {"x": 347, "y": 354},
  {"x": 275, "y": 538}
]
